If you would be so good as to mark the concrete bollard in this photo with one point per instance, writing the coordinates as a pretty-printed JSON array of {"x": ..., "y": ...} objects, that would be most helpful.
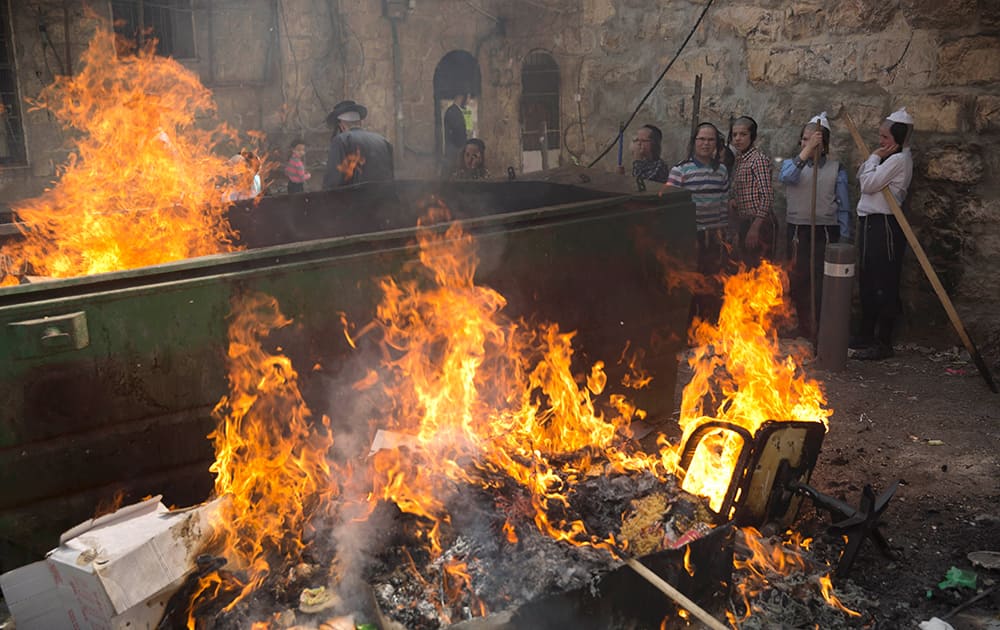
[{"x": 835, "y": 313}]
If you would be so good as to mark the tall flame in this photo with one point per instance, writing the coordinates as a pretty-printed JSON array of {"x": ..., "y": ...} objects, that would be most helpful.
[
  {"x": 481, "y": 391},
  {"x": 141, "y": 185},
  {"x": 742, "y": 377},
  {"x": 271, "y": 459}
]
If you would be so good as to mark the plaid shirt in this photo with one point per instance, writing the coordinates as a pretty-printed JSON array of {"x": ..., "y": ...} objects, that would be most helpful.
[{"x": 751, "y": 186}]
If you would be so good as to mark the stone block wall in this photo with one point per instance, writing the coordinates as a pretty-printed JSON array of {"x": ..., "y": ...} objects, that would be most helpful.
[{"x": 278, "y": 66}]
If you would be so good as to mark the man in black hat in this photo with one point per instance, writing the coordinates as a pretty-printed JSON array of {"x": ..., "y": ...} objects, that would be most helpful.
[{"x": 356, "y": 155}]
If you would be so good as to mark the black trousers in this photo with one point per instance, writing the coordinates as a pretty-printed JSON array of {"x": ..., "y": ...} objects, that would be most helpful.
[
  {"x": 798, "y": 245},
  {"x": 882, "y": 247},
  {"x": 296, "y": 187}
]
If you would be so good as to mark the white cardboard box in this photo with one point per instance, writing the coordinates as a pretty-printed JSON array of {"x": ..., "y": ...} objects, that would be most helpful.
[{"x": 116, "y": 571}]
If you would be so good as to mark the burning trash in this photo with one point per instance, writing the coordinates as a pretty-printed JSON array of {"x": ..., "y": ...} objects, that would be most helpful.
[
  {"x": 496, "y": 479},
  {"x": 142, "y": 185},
  {"x": 508, "y": 463}
]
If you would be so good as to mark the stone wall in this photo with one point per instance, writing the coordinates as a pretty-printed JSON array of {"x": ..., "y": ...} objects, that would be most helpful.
[{"x": 279, "y": 66}]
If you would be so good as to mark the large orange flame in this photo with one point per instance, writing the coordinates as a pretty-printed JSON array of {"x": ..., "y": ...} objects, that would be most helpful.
[
  {"x": 141, "y": 185},
  {"x": 478, "y": 390},
  {"x": 743, "y": 377},
  {"x": 271, "y": 458}
]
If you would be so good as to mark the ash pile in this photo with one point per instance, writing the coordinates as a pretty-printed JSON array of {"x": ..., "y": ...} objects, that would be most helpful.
[
  {"x": 495, "y": 568},
  {"x": 495, "y": 558}
]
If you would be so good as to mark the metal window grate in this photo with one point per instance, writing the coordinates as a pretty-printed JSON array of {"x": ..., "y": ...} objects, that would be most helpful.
[
  {"x": 11, "y": 125},
  {"x": 170, "y": 22},
  {"x": 540, "y": 101}
]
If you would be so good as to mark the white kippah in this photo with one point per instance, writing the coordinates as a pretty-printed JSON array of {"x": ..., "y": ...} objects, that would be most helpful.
[
  {"x": 350, "y": 116},
  {"x": 900, "y": 116},
  {"x": 821, "y": 119}
]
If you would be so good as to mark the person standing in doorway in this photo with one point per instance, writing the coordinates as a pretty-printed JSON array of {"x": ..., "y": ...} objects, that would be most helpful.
[
  {"x": 356, "y": 155},
  {"x": 752, "y": 195},
  {"x": 455, "y": 133},
  {"x": 881, "y": 238},
  {"x": 832, "y": 219}
]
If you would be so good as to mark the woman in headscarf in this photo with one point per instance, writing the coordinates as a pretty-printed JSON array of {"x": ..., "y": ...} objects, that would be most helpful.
[
  {"x": 881, "y": 239},
  {"x": 472, "y": 163},
  {"x": 831, "y": 222}
]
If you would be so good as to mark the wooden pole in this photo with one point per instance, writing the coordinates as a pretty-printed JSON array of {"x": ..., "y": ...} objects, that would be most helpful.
[
  {"x": 675, "y": 595},
  {"x": 925, "y": 264},
  {"x": 695, "y": 111},
  {"x": 812, "y": 242}
]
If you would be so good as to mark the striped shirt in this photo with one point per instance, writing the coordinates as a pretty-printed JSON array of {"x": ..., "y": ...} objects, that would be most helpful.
[
  {"x": 709, "y": 191},
  {"x": 295, "y": 170}
]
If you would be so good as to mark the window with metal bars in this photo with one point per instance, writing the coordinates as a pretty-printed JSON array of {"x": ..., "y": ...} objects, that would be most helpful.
[
  {"x": 169, "y": 22},
  {"x": 11, "y": 124},
  {"x": 539, "y": 101}
]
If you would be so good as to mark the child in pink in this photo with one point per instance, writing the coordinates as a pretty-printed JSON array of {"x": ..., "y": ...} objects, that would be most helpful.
[{"x": 295, "y": 169}]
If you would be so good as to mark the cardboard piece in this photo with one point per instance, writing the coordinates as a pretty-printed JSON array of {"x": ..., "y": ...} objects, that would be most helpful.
[{"x": 116, "y": 571}]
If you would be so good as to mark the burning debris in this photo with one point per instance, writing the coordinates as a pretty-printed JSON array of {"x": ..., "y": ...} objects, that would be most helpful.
[
  {"x": 509, "y": 465},
  {"x": 142, "y": 185},
  {"x": 510, "y": 477}
]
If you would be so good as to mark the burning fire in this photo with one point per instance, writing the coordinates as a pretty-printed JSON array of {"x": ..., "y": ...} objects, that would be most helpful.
[
  {"x": 478, "y": 397},
  {"x": 742, "y": 377},
  {"x": 271, "y": 460},
  {"x": 141, "y": 185},
  {"x": 350, "y": 164},
  {"x": 478, "y": 390},
  {"x": 766, "y": 560}
]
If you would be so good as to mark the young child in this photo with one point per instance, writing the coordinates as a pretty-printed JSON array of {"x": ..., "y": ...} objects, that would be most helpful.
[{"x": 295, "y": 169}]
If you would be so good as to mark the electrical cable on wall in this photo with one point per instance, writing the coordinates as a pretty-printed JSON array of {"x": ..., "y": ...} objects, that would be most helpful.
[{"x": 635, "y": 112}]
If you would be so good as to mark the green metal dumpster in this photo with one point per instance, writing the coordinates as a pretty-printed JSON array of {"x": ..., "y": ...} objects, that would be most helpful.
[{"x": 108, "y": 381}]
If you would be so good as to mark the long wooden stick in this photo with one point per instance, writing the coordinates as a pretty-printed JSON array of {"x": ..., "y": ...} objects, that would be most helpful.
[
  {"x": 674, "y": 594},
  {"x": 911, "y": 238},
  {"x": 813, "y": 330}
]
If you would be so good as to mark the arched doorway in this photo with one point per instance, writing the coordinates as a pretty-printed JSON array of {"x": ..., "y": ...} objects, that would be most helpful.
[
  {"x": 456, "y": 73},
  {"x": 540, "y": 125}
]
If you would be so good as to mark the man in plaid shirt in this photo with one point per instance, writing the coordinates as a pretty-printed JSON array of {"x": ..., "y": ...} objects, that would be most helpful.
[{"x": 751, "y": 196}]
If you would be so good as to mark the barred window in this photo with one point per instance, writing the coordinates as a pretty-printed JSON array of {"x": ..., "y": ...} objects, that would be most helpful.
[
  {"x": 11, "y": 124},
  {"x": 539, "y": 101},
  {"x": 170, "y": 22}
]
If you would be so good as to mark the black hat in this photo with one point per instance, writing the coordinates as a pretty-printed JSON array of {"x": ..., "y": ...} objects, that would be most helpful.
[{"x": 345, "y": 107}]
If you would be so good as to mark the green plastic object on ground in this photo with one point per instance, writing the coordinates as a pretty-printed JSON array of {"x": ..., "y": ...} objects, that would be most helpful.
[{"x": 956, "y": 577}]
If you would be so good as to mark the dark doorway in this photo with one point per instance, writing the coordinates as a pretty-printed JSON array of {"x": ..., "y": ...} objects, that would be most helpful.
[{"x": 456, "y": 73}]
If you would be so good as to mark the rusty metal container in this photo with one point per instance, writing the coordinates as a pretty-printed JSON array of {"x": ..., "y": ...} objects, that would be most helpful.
[{"x": 109, "y": 380}]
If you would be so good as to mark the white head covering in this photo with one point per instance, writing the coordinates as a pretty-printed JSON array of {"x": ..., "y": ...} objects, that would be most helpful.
[
  {"x": 351, "y": 116},
  {"x": 821, "y": 119},
  {"x": 901, "y": 116}
]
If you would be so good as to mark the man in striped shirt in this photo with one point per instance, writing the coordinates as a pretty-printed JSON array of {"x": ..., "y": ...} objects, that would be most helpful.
[{"x": 708, "y": 181}]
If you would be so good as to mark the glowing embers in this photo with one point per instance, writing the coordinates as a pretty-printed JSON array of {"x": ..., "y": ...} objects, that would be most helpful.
[
  {"x": 141, "y": 185},
  {"x": 786, "y": 579}
]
